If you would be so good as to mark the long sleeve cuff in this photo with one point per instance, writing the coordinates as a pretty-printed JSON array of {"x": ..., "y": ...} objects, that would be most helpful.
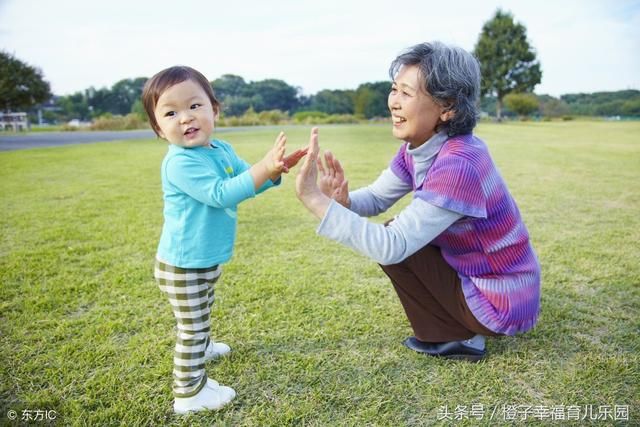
[{"x": 269, "y": 184}]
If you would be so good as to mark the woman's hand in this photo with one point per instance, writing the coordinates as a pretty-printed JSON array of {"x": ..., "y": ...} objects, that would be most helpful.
[
  {"x": 332, "y": 182},
  {"x": 307, "y": 188}
]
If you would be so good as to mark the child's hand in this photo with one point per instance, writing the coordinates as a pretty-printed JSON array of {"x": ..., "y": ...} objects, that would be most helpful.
[
  {"x": 292, "y": 159},
  {"x": 332, "y": 182},
  {"x": 274, "y": 160}
]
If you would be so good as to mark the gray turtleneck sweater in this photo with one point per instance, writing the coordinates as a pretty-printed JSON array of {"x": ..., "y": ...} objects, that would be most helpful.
[{"x": 416, "y": 225}]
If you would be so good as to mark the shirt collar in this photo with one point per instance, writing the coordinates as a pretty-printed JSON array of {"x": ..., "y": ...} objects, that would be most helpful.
[{"x": 429, "y": 148}]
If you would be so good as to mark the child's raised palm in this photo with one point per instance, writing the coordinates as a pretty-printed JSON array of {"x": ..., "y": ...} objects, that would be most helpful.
[{"x": 274, "y": 160}]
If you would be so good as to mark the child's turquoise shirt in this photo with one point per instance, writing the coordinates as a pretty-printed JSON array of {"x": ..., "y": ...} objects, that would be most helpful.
[{"x": 202, "y": 187}]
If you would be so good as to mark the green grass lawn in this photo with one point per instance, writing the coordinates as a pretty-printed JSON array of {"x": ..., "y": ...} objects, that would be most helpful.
[{"x": 315, "y": 328}]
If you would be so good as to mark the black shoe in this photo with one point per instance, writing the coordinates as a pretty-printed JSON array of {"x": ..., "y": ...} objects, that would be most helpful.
[{"x": 456, "y": 350}]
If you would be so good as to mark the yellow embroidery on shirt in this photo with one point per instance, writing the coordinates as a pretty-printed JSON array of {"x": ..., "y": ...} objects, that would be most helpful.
[{"x": 229, "y": 170}]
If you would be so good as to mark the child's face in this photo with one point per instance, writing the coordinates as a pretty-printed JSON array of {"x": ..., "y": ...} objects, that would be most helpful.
[{"x": 185, "y": 115}]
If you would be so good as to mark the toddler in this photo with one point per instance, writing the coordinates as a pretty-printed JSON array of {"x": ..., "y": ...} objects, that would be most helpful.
[{"x": 203, "y": 181}]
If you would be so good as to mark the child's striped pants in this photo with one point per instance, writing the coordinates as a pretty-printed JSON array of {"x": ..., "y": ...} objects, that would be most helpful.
[{"x": 191, "y": 294}]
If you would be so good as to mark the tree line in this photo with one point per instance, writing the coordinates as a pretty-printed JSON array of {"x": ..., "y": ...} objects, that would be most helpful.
[
  {"x": 236, "y": 95},
  {"x": 623, "y": 103},
  {"x": 367, "y": 101}
]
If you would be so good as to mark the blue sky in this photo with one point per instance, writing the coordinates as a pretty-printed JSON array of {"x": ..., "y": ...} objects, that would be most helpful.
[{"x": 583, "y": 46}]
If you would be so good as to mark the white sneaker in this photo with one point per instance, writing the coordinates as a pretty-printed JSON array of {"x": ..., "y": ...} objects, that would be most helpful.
[
  {"x": 215, "y": 350},
  {"x": 212, "y": 396}
]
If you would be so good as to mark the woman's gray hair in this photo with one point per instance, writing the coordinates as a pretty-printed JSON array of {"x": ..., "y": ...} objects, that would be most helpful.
[{"x": 451, "y": 77}]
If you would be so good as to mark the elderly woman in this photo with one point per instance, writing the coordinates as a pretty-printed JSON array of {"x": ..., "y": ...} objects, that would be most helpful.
[{"x": 459, "y": 255}]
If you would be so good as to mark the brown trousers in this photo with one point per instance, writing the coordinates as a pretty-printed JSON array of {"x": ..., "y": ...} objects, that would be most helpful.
[{"x": 431, "y": 293}]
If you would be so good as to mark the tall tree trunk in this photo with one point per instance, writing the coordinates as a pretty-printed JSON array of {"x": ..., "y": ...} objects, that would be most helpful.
[{"x": 499, "y": 109}]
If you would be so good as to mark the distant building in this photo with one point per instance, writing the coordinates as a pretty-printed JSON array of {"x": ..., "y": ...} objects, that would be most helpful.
[{"x": 18, "y": 122}]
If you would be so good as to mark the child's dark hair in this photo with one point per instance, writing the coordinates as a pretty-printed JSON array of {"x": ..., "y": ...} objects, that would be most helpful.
[{"x": 163, "y": 80}]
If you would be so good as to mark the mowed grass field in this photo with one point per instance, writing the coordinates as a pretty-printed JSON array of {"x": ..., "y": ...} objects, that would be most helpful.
[{"x": 315, "y": 328}]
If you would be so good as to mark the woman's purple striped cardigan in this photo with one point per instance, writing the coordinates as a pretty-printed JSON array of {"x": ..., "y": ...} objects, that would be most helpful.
[{"x": 489, "y": 247}]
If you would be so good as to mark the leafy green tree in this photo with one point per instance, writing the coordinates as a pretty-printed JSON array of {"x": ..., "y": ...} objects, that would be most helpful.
[
  {"x": 604, "y": 103},
  {"x": 74, "y": 106},
  {"x": 371, "y": 99},
  {"x": 610, "y": 108},
  {"x": 273, "y": 94},
  {"x": 124, "y": 94},
  {"x": 138, "y": 109},
  {"x": 553, "y": 107},
  {"x": 488, "y": 104},
  {"x": 333, "y": 101},
  {"x": 238, "y": 105},
  {"x": 238, "y": 96},
  {"x": 117, "y": 100},
  {"x": 21, "y": 85},
  {"x": 631, "y": 107},
  {"x": 523, "y": 104},
  {"x": 229, "y": 85},
  {"x": 100, "y": 101},
  {"x": 364, "y": 97},
  {"x": 507, "y": 61},
  {"x": 232, "y": 91}
]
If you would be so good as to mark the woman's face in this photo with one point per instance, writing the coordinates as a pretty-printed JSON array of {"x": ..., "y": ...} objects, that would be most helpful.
[{"x": 413, "y": 112}]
